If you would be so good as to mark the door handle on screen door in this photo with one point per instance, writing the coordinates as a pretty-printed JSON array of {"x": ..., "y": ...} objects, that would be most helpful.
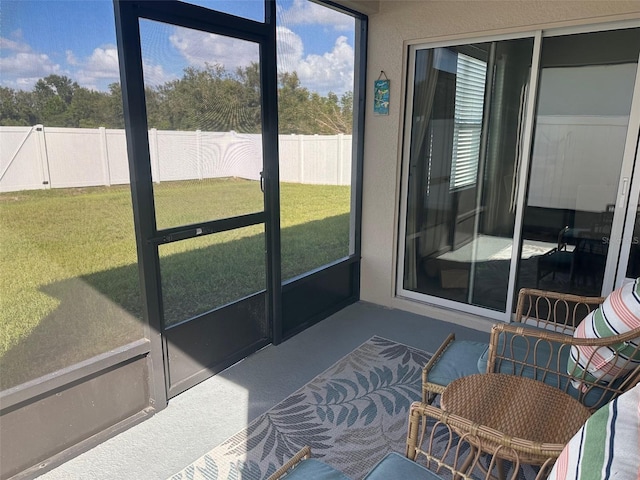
[{"x": 262, "y": 181}]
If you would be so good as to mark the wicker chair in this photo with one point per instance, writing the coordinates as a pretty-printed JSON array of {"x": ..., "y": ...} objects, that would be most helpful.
[
  {"x": 446, "y": 442},
  {"x": 537, "y": 345},
  {"x": 439, "y": 446}
]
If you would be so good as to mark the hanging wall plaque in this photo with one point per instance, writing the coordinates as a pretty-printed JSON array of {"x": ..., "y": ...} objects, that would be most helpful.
[{"x": 381, "y": 95}]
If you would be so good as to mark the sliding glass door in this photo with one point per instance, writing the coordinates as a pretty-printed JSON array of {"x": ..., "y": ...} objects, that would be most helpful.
[
  {"x": 520, "y": 142},
  {"x": 579, "y": 175},
  {"x": 466, "y": 123}
]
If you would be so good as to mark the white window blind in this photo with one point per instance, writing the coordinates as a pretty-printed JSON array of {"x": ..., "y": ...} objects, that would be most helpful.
[{"x": 471, "y": 74}]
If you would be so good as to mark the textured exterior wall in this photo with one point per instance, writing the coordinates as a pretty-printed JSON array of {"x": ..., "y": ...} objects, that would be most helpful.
[{"x": 396, "y": 23}]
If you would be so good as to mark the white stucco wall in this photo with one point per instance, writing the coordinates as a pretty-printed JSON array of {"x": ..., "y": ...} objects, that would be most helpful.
[{"x": 395, "y": 23}]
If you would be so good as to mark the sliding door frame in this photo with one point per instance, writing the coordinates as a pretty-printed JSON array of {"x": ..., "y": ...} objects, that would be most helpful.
[
  {"x": 628, "y": 188},
  {"x": 630, "y": 192}
]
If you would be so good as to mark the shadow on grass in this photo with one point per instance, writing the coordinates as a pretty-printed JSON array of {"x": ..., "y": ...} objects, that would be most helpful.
[{"x": 102, "y": 311}]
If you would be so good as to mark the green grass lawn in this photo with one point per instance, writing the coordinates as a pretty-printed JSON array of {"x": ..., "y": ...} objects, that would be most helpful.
[{"x": 69, "y": 283}]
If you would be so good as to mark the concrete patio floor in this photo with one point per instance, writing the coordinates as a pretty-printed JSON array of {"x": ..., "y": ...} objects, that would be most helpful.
[{"x": 207, "y": 414}]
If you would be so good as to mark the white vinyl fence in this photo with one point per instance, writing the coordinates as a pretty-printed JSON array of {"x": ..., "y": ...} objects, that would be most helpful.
[
  {"x": 38, "y": 157},
  {"x": 589, "y": 146}
]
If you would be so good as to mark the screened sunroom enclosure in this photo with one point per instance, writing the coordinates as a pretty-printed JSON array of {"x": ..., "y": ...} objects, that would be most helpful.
[
  {"x": 518, "y": 168},
  {"x": 195, "y": 202}
]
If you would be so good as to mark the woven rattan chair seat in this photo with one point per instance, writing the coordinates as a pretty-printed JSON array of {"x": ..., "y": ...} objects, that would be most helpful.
[{"x": 517, "y": 407}]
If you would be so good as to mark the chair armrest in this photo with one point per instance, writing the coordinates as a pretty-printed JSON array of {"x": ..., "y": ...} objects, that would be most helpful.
[
  {"x": 436, "y": 356},
  {"x": 302, "y": 454},
  {"x": 441, "y": 440}
]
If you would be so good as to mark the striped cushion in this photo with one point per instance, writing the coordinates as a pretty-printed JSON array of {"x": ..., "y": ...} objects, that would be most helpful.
[
  {"x": 619, "y": 313},
  {"x": 607, "y": 445}
]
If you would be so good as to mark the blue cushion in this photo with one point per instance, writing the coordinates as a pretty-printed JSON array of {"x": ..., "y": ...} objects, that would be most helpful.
[
  {"x": 313, "y": 469},
  {"x": 394, "y": 465},
  {"x": 458, "y": 360}
]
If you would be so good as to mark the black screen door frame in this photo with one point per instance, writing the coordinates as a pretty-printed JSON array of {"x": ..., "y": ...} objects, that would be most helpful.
[{"x": 174, "y": 379}]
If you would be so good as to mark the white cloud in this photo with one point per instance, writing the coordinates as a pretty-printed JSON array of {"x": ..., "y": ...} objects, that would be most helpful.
[
  {"x": 154, "y": 74},
  {"x": 13, "y": 45},
  {"x": 331, "y": 71},
  {"x": 101, "y": 64},
  {"x": 71, "y": 58},
  {"x": 304, "y": 12},
  {"x": 208, "y": 48},
  {"x": 23, "y": 69},
  {"x": 290, "y": 49}
]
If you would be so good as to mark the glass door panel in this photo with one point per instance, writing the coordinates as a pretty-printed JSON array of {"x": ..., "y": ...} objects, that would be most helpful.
[
  {"x": 201, "y": 274},
  {"x": 203, "y": 109},
  {"x": 584, "y": 102},
  {"x": 466, "y": 127}
]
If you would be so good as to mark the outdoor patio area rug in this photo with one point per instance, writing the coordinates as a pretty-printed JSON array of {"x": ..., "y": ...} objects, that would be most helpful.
[{"x": 351, "y": 416}]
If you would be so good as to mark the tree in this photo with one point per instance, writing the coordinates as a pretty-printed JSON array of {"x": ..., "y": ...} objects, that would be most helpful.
[
  {"x": 294, "y": 116},
  {"x": 89, "y": 109},
  {"x": 53, "y": 95},
  {"x": 16, "y": 107},
  {"x": 56, "y": 85},
  {"x": 332, "y": 115},
  {"x": 303, "y": 112},
  {"x": 115, "y": 107},
  {"x": 209, "y": 98}
]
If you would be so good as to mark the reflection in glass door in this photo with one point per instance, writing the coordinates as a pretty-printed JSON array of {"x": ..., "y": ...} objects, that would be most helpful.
[
  {"x": 466, "y": 126},
  {"x": 573, "y": 200}
]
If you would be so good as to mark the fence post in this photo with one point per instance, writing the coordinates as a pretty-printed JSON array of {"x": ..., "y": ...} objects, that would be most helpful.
[
  {"x": 199, "y": 153},
  {"x": 104, "y": 155},
  {"x": 301, "y": 156},
  {"x": 340, "y": 159},
  {"x": 43, "y": 157},
  {"x": 153, "y": 153}
]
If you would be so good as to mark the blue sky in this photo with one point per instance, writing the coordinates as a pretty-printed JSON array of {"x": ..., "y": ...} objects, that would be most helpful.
[{"x": 76, "y": 38}]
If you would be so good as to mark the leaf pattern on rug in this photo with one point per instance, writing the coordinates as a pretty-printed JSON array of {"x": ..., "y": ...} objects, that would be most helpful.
[
  {"x": 393, "y": 350},
  {"x": 287, "y": 427},
  {"x": 351, "y": 415},
  {"x": 347, "y": 400}
]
